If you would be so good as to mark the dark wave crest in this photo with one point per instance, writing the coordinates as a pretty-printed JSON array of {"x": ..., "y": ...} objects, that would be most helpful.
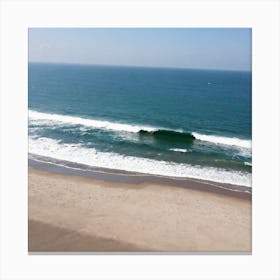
[{"x": 168, "y": 135}]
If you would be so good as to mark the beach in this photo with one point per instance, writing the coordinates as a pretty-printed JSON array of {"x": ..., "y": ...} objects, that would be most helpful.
[{"x": 77, "y": 214}]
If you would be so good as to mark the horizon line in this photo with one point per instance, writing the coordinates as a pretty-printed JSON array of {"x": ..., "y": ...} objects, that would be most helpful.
[{"x": 141, "y": 66}]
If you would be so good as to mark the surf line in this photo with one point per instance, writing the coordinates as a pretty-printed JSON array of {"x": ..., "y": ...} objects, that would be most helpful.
[{"x": 140, "y": 175}]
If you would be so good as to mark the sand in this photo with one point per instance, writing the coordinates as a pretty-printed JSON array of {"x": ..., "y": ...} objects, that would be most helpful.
[{"x": 75, "y": 214}]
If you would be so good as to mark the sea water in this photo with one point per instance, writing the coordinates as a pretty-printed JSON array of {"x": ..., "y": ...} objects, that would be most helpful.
[{"x": 163, "y": 121}]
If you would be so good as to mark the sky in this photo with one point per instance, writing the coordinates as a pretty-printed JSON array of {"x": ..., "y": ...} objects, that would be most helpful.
[{"x": 198, "y": 48}]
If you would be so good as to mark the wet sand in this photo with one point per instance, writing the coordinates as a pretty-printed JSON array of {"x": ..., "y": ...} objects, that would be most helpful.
[
  {"x": 121, "y": 176},
  {"x": 75, "y": 214}
]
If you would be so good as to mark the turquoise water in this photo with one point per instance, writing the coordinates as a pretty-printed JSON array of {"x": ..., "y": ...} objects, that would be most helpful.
[{"x": 174, "y": 122}]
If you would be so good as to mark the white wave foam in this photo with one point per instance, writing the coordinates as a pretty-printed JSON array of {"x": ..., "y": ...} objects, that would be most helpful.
[
  {"x": 244, "y": 152},
  {"x": 247, "y": 163},
  {"x": 54, "y": 119},
  {"x": 75, "y": 153},
  {"x": 224, "y": 140},
  {"x": 178, "y": 150}
]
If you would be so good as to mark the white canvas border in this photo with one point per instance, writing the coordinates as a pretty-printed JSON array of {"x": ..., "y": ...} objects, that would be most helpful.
[{"x": 261, "y": 16}]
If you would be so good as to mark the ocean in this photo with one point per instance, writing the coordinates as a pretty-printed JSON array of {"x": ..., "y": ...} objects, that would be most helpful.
[{"x": 181, "y": 123}]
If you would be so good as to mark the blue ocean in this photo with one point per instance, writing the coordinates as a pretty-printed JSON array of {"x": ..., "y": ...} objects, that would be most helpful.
[{"x": 168, "y": 122}]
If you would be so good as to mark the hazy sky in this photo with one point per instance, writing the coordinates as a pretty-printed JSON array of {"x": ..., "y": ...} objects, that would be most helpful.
[{"x": 205, "y": 48}]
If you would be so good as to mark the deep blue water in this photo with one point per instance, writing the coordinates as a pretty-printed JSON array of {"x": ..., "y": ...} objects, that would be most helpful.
[{"x": 176, "y": 122}]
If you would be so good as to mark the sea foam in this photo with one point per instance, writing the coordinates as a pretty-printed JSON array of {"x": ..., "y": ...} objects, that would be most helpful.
[
  {"x": 90, "y": 156},
  {"x": 56, "y": 119},
  {"x": 229, "y": 141},
  {"x": 44, "y": 118},
  {"x": 178, "y": 150}
]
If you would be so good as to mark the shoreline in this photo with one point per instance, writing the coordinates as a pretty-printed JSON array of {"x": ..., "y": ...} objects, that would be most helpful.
[
  {"x": 77, "y": 214},
  {"x": 123, "y": 176}
]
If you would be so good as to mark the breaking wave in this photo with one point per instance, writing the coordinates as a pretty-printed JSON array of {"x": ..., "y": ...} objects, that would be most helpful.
[{"x": 161, "y": 134}]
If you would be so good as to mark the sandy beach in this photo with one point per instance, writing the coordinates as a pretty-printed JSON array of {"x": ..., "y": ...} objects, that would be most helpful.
[{"x": 75, "y": 214}]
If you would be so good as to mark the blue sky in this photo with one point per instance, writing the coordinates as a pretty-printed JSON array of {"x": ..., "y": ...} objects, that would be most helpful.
[{"x": 202, "y": 48}]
